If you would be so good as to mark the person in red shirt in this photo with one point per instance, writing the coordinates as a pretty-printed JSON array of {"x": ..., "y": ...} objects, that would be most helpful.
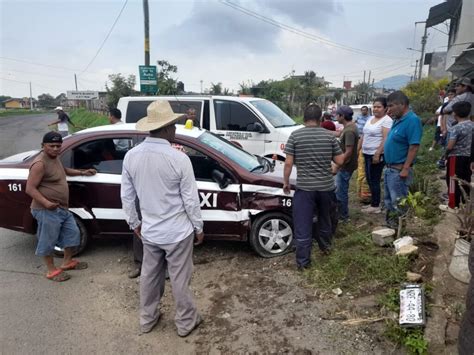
[{"x": 327, "y": 122}]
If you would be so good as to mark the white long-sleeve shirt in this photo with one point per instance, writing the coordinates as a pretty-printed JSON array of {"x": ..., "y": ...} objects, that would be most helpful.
[{"x": 163, "y": 179}]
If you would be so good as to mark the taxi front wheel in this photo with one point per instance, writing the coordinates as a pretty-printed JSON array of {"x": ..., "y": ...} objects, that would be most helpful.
[
  {"x": 84, "y": 236},
  {"x": 271, "y": 234}
]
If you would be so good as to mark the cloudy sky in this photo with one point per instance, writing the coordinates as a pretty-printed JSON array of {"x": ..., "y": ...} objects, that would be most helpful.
[{"x": 227, "y": 41}]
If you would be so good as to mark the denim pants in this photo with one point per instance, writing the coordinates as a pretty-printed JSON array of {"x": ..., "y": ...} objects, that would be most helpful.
[
  {"x": 373, "y": 174},
  {"x": 396, "y": 189},
  {"x": 305, "y": 203},
  {"x": 343, "y": 178}
]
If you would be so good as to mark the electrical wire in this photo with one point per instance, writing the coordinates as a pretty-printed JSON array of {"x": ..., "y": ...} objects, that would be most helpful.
[
  {"x": 302, "y": 33},
  {"x": 105, "y": 39}
]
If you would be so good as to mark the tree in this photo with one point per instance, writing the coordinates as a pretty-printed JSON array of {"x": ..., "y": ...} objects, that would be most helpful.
[
  {"x": 2, "y": 100},
  {"x": 61, "y": 99},
  {"x": 121, "y": 86},
  {"x": 216, "y": 89},
  {"x": 46, "y": 101},
  {"x": 423, "y": 95},
  {"x": 167, "y": 85}
]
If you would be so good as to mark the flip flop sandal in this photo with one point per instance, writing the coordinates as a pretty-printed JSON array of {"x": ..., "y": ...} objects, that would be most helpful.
[
  {"x": 75, "y": 265},
  {"x": 58, "y": 276}
]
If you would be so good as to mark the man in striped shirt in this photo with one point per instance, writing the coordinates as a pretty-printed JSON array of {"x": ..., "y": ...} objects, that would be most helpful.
[{"x": 311, "y": 149}]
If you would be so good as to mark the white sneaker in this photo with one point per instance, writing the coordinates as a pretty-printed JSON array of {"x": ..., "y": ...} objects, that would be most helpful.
[
  {"x": 431, "y": 149},
  {"x": 446, "y": 208},
  {"x": 374, "y": 210}
]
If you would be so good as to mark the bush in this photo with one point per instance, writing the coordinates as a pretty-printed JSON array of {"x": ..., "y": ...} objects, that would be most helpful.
[{"x": 423, "y": 95}]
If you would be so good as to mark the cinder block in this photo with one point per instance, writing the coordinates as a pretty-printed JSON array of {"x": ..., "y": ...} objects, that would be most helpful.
[{"x": 382, "y": 237}]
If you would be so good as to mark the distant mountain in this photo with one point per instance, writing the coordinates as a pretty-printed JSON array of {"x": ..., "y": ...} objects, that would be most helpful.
[{"x": 394, "y": 82}]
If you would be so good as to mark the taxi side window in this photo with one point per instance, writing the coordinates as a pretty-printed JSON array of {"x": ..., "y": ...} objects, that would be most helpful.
[
  {"x": 233, "y": 116},
  {"x": 104, "y": 155},
  {"x": 202, "y": 164}
]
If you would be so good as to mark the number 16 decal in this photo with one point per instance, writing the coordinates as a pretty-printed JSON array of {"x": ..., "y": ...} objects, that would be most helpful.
[{"x": 286, "y": 202}]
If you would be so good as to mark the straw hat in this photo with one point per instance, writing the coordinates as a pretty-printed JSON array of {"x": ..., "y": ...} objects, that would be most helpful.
[{"x": 159, "y": 114}]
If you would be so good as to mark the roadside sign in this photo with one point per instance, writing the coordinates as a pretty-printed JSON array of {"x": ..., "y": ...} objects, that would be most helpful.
[
  {"x": 148, "y": 82},
  {"x": 82, "y": 95}
]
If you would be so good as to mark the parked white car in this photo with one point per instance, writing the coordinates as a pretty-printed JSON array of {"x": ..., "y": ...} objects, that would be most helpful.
[{"x": 257, "y": 125}]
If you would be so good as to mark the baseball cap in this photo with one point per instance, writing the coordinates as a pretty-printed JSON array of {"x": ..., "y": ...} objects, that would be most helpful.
[
  {"x": 52, "y": 137},
  {"x": 344, "y": 111},
  {"x": 59, "y": 108}
]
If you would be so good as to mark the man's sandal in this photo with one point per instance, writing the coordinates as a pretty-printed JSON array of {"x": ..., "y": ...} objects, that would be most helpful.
[
  {"x": 58, "y": 275},
  {"x": 74, "y": 265}
]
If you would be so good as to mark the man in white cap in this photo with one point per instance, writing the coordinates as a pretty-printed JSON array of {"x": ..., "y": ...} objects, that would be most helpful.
[
  {"x": 163, "y": 180},
  {"x": 62, "y": 122}
]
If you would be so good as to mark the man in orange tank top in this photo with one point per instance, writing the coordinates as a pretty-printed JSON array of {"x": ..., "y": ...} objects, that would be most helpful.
[{"x": 48, "y": 188}]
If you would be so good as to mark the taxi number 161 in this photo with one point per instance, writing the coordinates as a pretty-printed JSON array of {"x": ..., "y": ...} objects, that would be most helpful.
[{"x": 14, "y": 187}]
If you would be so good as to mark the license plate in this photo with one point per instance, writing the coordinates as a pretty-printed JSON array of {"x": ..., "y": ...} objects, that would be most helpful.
[{"x": 412, "y": 306}]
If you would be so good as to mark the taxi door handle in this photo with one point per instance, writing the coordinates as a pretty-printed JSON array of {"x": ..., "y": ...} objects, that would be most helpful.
[{"x": 268, "y": 141}]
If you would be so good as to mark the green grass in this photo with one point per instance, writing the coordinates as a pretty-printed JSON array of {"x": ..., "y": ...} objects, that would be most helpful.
[
  {"x": 18, "y": 112},
  {"x": 357, "y": 265},
  {"x": 86, "y": 119}
]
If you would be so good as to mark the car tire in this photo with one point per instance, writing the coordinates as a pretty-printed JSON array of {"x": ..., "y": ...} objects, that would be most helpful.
[
  {"x": 272, "y": 234},
  {"x": 84, "y": 236}
]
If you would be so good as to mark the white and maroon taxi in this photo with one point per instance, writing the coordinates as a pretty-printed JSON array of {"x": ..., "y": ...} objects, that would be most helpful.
[{"x": 241, "y": 194}]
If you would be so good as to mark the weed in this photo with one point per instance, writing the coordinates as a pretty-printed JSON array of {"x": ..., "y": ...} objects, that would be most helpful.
[
  {"x": 86, "y": 119},
  {"x": 356, "y": 264},
  {"x": 411, "y": 338}
]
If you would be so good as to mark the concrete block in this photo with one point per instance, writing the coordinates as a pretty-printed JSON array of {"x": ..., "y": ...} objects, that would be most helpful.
[{"x": 382, "y": 237}]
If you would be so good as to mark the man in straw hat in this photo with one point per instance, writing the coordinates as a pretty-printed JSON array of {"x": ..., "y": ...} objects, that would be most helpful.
[{"x": 163, "y": 180}]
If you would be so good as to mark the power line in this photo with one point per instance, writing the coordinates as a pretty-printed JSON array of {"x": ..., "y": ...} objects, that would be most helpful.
[
  {"x": 302, "y": 33},
  {"x": 372, "y": 69},
  {"x": 44, "y": 75},
  {"x": 106, "y": 38}
]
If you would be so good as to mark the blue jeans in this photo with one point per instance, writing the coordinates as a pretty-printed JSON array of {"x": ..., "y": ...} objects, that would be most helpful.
[
  {"x": 396, "y": 189},
  {"x": 373, "y": 174},
  {"x": 56, "y": 227},
  {"x": 343, "y": 178},
  {"x": 305, "y": 204}
]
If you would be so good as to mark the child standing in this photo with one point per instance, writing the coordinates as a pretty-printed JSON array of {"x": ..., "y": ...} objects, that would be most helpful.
[{"x": 459, "y": 152}]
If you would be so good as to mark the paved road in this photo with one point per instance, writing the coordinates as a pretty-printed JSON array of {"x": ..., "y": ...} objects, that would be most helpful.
[{"x": 22, "y": 133}]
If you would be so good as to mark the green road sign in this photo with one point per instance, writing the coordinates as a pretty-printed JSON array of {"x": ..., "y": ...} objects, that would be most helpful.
[{"x": 148, "y": 82}]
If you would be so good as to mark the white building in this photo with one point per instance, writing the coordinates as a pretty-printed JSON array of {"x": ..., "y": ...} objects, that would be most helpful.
[{"x": 460, "y": 55}]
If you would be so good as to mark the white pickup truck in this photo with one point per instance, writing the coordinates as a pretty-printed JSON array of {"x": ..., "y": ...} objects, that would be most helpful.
[{"x": 257, "y": 125}]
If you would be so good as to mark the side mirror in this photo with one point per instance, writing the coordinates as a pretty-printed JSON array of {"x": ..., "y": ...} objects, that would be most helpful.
[{"x": 219, "y": 177}]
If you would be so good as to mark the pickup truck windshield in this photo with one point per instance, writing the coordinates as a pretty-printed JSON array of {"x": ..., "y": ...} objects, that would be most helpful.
[
  {"x": 237, "y": 155},
  {"x": 273, "y": 113}
]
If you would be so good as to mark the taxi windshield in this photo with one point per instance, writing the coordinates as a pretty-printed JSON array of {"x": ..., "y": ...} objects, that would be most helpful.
[
  {"x": 273, "y": 113},
  {"x": 240, "y": 157}
]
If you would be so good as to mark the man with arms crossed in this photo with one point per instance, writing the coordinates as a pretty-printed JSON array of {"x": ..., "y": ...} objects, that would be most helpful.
[
  {"x": 400, "y": 149},
  {"x": 311, "y": 149},
  {"x": 48, "y": 188},
  {"x": 163, "y": 180}
]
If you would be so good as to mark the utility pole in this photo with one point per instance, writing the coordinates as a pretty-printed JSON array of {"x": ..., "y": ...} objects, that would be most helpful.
[
  {"x": 75, "y": 80},
  {"x": 31, "y": 98},
  {"x": 201, "y": 86},
  {"x": 423, "y": 44},
  {"x": 147, "y": 32},
  {"x": 364, "y": 76},
  {"x": 416, "y": 68}
]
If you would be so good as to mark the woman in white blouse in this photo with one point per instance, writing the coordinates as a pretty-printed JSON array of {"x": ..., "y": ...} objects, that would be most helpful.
[{"x": 375, "y": 132}]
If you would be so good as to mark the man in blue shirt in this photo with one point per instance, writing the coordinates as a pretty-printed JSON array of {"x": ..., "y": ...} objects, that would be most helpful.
[{"x": 400, "y": 149}]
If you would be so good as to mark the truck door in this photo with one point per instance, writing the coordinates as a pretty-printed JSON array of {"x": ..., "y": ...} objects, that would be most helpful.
[{"x": 236, "y": 122}]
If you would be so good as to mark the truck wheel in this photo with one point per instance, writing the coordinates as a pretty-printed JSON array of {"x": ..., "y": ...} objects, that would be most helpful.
[
  {"x": 84, "y": 239},
  {"x": 272, "y": 234}
]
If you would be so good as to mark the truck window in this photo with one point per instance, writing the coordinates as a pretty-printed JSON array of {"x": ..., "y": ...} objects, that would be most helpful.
[
  {"x": 137, "y": 109},
  {"x": 232, "y": 116}
]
